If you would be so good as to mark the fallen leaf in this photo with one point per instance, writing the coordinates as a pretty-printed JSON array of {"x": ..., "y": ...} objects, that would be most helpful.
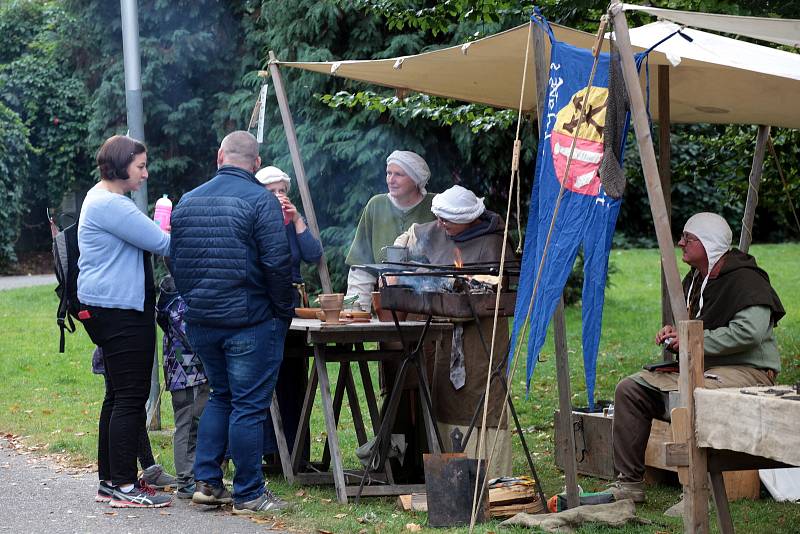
[
  {"x": 110, "y": 513},
  {"x": 165, "y": 513},
  {"x": 327, "y": 501},
  {"x": 299, "y": 493},
  {"x": 324, "y": 531},
  {"x": 80, "y": 434},
  {"x": 413, "y": 527},
  {"x": 340, "y": 516}
]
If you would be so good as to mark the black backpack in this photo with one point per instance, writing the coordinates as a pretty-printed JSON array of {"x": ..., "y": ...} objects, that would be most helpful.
[{"x": 65, "y": 258}]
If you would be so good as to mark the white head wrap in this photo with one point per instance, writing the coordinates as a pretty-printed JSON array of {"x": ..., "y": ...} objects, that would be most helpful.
[
  {"x": 414, "y": 166},
  {"x": 458, "y": 204},
  {"x": 715, "y": 235},
  {"x": 270, "y": 175}
]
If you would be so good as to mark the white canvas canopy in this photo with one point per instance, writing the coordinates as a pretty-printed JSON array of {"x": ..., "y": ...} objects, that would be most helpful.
[
  {"x": 714, "y": 79},
  {"x": 774, "y": 30}
]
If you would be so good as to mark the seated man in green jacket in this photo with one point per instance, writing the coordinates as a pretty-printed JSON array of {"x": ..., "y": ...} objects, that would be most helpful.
[{"x": 739, "y": 308}]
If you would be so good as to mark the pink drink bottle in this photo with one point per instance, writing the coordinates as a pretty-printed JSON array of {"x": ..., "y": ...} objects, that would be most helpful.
[{"x": 163, "y": 212}]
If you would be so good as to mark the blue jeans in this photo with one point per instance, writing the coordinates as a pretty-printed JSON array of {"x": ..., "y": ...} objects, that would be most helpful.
[{"x": 242, "y": 367}]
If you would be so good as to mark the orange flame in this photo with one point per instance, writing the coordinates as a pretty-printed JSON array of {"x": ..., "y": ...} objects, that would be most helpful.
[{"x": 457, "y": 261}]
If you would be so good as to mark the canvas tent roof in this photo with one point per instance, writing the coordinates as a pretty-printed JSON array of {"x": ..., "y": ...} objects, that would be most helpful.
[
  {"x": 718, "y": 79},
  {"x": 781, "y": 31}
]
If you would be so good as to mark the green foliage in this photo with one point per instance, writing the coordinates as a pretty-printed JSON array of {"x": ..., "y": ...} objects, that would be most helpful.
[
  {"x": 37, "y": 82},
  {"x": 14, "y": 149}
]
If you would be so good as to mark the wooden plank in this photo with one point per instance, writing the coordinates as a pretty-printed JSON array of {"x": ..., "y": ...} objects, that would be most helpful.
[
  {"x": 676, "y": 454},
  {"x": 518, "y": 493},
  {"x": 280, "y": 438},
  {"x": 416, "y": 502},
  {"x": 680, "y": 433},
  {"x": 330, "y": 423},
  {"x": 695, "y": 491},
  {"x": 654, "y": 456},
  {"x": 665, "y": 173},
  {"x": 644, "y": 140},
  {"x": 299, "y": 169},
  {"x": 513, "y": 509},
  {"x": 355, "y": 406},
  {"x": 305, "y": 418},
  {"x": 338, "y": 397},
  {"x": 567, "y": 444},
  {"x": 754, "y": 181},
  {"x": 742, "y": 484},
  {"x": 721, "y": 502}
]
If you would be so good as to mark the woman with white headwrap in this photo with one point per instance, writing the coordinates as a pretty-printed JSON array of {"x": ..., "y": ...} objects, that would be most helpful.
[
  {"x": 739, "y": 308},
  {"x": 293, "y": 374},
  {"x": 386, "y": 216},
  {"x": 459, "y": 379}
]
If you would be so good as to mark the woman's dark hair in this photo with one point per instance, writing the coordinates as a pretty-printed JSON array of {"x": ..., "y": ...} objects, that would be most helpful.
[{"x": 116, "y": 154}]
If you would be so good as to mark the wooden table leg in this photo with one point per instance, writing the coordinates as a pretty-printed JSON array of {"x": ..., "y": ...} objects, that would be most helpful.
[
  {"x": 280, "y": 438},
  {"x": 338, "y": 397},
  {"x": 369, "y": 393},
  {"x": 330, "y": 423},
  {"x": 305, "y": 418},
  {"x": 355, "y": 406},
  {"x": 721, "y": 502}
]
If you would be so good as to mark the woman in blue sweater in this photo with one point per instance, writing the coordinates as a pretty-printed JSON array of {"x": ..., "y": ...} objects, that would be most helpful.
[
  {"x": 117, "y": 295},
  {"x": 293, "y": 374}
]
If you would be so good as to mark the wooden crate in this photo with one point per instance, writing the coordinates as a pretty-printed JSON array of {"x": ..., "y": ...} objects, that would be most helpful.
[
  {"x": 593, "y": 444},
  {"x": 598, "y": 460}
]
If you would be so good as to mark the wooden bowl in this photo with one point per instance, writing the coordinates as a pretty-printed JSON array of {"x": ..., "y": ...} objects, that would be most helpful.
[
  {"x": 306, "y": 313},
  {"x": 351, "y": 315}
]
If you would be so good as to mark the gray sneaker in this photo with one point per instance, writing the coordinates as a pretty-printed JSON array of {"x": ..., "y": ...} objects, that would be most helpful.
[
  {"x": 205, "y": 493},
  {"x": 268, "y": 502},
  {"x": 156, "y": 477},
  {"x": 627, "y": 490}
]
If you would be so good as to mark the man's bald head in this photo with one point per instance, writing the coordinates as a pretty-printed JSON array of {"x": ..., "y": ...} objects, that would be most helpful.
[{"x": 239, "y": 149}]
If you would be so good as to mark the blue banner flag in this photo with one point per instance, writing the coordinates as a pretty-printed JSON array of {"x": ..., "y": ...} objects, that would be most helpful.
[{"x": 590, "y": 205}]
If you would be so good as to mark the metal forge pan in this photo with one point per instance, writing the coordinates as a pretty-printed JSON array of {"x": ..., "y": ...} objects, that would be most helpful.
[{"x": 444, "y": 304}]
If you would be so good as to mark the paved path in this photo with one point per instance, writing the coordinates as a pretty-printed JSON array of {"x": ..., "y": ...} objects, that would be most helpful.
[
  {"x": 39, "y": 496},
  {"x": 13, "y": 282}
]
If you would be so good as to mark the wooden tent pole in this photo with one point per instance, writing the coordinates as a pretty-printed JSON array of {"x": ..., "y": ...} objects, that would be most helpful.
[
  {"x": 753, "y": 183},
  {"x": 665, "y": 171},
  {"x": 567, "y": 442},
  {"x": 649, "y": 166},
  {"x": 297, "y": 163}
]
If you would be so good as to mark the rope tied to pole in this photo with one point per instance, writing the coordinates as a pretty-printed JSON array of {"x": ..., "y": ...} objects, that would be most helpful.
[{"x": 581, "y": 119}]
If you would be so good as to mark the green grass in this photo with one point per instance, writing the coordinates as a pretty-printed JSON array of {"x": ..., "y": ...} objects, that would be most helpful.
[{"x": 53, "y": 400}]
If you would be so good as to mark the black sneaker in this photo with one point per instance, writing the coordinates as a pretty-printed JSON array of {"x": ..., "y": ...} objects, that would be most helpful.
[
  {"x": 105, "y": 492},
  {"x": 157, "y": 478},
  {"x": 205, "y": 493},
  {"x": 268, "y": 502},
  {"x": 141, "y": 496}
]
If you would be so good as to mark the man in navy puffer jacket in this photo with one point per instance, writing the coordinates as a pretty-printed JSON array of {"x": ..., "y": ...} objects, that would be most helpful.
[{"x": 232, "y": 266}]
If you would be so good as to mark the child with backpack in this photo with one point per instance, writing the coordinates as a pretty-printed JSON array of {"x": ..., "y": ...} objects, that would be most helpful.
[{"x": 185, "y": 379}]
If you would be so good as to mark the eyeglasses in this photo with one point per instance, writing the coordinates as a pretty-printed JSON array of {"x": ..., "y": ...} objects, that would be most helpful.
[
  {"x": 444, "y": 221},
  {"x": 688, "y": 238}
]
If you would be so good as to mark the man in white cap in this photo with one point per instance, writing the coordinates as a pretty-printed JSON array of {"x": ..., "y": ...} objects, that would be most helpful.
[
  {"x": 733, "y": 297},
  {"x": 459, "y": 379},
  {"x": 386, "y": 216}
]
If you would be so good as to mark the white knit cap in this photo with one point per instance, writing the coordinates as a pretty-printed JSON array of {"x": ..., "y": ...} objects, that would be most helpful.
[
  {"x": 414, "y": 166},
  {"x": 458, "y": 204},
  {"x": 715, "y": 235},
  {"x": 270, "y": 175}
]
